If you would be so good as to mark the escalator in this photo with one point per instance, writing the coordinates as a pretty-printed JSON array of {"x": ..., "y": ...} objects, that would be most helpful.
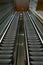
[
  {"x": 8, "y": 44},
  {"x": 20, "y": 44},
  {"x": 35, "y": 47}
]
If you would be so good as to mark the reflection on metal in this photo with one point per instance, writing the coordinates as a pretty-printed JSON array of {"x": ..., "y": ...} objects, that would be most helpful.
[{"x": 33, "y": 4}]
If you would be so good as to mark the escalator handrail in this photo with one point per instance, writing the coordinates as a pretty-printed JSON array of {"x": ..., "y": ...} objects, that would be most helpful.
[
  {"x": 40, "y": 18},
  {"x": 26, "y": 44}
]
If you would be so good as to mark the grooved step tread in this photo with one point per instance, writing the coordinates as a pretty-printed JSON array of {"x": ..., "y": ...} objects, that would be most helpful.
[
  {"x": 5, "y": 61},
  {"x": 7, "y": 44},
  {"x": 33, "y": 40},
  {"x": 35, "y": 46},
  {"x": 37, "y": 58},
  {"x": 5, "y": 56},
  {"x": 4, "y": 51},
  {"x": 8, "y": 41},
  {"x": 36, "y": 49},
  {"x": 34, "y": 43},
  {"x": 36, "y": 53},
  {"x": 37, "y": 62},
  {"x": 7, "y": 48}
]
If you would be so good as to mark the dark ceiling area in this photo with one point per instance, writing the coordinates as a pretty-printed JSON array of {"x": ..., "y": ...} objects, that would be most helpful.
[
  {"x": 6, "y": 4},
  {"x": 21, "y": 5}
]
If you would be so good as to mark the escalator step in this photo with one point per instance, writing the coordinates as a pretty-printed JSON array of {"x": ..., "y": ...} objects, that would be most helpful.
[
  {"x": 37, "y": 58},
  {"x": 8, "y": 39},
  {"x": 33, "y": 40},
  {"x": 36, "y": 49},
  {"x": 7, "y": 52},
  {"x": 12, "y": 45},
  {"x": 7, "y": 48},
  {"x": 35, "y": 46},
  {"x": 34, "y": 43},
  {"x": 8, "y": 42},
  {"x": 2, "y": 61},
  {"x": 5, "y": 56},
  {"x": 36, "y": 53},
  {"x": 37, "y": 62}
]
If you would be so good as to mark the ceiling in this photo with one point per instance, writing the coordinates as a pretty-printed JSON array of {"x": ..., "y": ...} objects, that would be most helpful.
[{"x": 32, "y": 4}]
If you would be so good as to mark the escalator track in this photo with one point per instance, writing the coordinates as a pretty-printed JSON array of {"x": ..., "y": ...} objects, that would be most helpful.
[
  {"x": 8, "y": 44},
  {"x": 35, "y": 47},
  {"x": 24, "y": 44}
]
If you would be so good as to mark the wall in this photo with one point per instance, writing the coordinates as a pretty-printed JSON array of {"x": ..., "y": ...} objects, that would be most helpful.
[
  {"x": 21, "y": 5},
  {"x": 40, "y": 5}
]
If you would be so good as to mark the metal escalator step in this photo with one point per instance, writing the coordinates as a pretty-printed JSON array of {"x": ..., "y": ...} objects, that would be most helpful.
[
  {"x": 8, "y": 41},
  {"x": 31, "y": 31},
  {"x": 36, "y": 53},
  {"x": 7, "y": 52},
  {"x": 13, "y": 36},
  {"x": 37, "y": 62},
  {"x": 36, "y": 49},
  {"x": 35, "y": 46},
  {"x": 34, "y": 43},
  {"x": 33, "y": 40},
  {"x": 9, "y": 37},
  {"x": 10, "y": 33},
  {"x": 5, "y": 61},
  {"x": 3, "y": 56},
  {"x": 7, "y": 48},
  {"x": 37, "y": 58},
  {"x": 32, "y": 36},
  {"x": 7, "y": 44}
]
